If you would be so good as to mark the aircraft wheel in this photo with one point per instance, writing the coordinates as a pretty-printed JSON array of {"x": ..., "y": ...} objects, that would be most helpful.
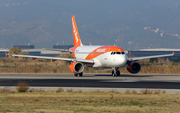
[
  {"x": 75, "y": 75},
  {"x": 113, "y": 73},
  {"x": 118, "y": 73},
  {"x": 81, "y": 74}
]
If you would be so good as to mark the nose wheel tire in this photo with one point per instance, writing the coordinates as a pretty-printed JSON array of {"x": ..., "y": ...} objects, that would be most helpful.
[
  {"x": 113, "y": 73},
  {"x": 118, "y": 73}
]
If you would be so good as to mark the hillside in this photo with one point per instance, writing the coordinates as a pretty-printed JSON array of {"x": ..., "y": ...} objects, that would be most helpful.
[{"x": 45, "y": 23}]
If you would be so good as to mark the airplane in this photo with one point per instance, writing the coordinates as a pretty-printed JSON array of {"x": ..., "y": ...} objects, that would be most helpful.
[{"x": 97, "y": 56}]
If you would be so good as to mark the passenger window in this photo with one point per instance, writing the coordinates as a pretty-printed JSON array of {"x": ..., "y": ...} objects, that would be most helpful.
[
  {"x": 123, "y": 53},
  {"x": 118, "y": 52}
]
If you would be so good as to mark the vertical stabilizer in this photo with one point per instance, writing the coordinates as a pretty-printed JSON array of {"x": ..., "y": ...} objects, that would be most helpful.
[{"x": 76, "y": 38}]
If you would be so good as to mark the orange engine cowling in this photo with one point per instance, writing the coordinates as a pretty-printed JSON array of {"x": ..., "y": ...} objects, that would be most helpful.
[
  {"x": 133, "y": 67},
  {"x": 76, "y": 67}
]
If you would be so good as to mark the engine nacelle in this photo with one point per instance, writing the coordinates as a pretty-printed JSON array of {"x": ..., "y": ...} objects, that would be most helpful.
[
  {"x": 76, "y": 67},
  {"x": 133, "y": 67}
]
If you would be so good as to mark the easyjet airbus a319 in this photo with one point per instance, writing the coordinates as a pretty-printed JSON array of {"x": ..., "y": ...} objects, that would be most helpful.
[{"x": 97, "y": 56}]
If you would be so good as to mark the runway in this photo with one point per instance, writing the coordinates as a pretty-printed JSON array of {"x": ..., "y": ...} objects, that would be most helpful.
[{"x": 156, "y": 81}]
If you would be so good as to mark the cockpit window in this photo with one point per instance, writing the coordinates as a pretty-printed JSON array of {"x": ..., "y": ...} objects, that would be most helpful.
[{"x": 112, "y": 53}]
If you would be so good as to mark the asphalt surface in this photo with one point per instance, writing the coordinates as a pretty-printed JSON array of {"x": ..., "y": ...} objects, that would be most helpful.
[{"x": 156, "y": 81}]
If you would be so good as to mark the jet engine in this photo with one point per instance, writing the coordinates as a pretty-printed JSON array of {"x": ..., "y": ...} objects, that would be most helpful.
[
  {"x": 76, "y": 67},
  {"x": 133, "y": 67}
]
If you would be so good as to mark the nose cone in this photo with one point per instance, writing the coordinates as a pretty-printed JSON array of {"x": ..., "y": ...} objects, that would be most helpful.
[
  {"x": 120, "y": 60},
  {"x": 123, "y": 60}
]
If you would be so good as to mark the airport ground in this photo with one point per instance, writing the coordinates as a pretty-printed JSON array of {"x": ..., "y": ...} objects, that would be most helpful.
[
  {"x": 62, "y": 92},
  {"x": 92, "y": 82},
  {"x": 94, "y": 92}
]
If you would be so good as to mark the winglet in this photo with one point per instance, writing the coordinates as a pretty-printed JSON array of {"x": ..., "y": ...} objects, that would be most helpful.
[
  {"x": 6, "y": 54},
  {"x": 173, "y": 53}
]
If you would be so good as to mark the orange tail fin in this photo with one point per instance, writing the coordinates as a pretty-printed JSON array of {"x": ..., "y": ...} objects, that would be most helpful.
[{"x": 76, "y": 38}]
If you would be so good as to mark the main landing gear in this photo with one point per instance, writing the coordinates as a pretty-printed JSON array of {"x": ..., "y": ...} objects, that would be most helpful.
[
  {"x": 80, "y": 74},
  {"x": 115, "y": 72}
]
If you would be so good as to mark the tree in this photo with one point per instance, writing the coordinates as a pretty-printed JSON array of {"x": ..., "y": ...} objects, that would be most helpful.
[{"x": 14, "y": 50}]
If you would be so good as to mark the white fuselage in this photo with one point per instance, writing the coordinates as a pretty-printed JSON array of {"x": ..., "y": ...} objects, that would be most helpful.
[{"x": 101, "y": 55}]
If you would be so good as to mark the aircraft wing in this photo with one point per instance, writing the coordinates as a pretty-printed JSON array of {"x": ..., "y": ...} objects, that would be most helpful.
[
  {"x": 147, "y": 57},
  {"x": 55, "y": 58}
]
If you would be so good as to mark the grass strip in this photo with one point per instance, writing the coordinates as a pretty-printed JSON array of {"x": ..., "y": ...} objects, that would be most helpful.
[{"x": 95, "y": 101}]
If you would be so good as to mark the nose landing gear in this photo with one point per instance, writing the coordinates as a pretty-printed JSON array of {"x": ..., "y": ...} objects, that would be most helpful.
[{"x": 115, "y": 72}]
